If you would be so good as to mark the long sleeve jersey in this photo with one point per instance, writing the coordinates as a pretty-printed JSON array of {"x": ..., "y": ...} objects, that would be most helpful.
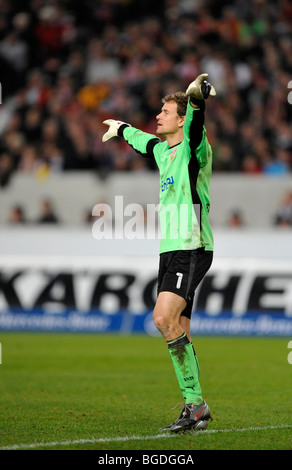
[{"x": 185, "y": 171}]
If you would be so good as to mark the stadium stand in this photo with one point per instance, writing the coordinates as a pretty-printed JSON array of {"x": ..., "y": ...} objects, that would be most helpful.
[{"x": 67, "y": 66}]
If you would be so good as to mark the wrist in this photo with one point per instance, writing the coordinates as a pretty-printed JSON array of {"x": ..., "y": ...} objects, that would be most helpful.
[
  {"x": 121, "y": 129},
  {"x": 195, "y": 101}
]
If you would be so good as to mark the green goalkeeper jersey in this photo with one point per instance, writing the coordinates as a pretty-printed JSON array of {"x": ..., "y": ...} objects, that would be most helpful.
[{"x": 185, "y": 171}]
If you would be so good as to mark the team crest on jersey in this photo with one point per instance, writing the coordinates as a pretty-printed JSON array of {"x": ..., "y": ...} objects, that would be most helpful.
[{"x": 172, "y": 154}]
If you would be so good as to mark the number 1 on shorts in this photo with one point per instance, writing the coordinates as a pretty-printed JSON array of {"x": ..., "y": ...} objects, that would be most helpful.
[{"x": 179, "y": 279}]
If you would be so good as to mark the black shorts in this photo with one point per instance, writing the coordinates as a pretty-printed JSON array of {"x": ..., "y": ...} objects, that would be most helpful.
[{"x": 181, "y": 272}]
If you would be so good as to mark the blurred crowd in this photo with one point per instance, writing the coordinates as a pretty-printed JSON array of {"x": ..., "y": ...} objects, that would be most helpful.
[{"x": 66, "y": 66}]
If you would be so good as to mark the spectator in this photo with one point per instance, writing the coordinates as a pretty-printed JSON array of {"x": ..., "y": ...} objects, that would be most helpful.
[
  {"x": 100, "y": 66},
  {"x": 15, "y": 51},
  {"x": 250, "y": 165},
  {"x": 29, "y": 161},
  {"x": 47, "y": 215},
  {"x": 16, "y": 215},
  {"x": 6, "y": 169},
  {"x": 283, "y": 216},
  {"x": 32, "y": 125},
  {"x": 235, "y": 219}
]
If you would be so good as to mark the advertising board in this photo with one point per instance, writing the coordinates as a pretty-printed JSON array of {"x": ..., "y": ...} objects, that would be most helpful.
[{"x": 110, "y": 294}]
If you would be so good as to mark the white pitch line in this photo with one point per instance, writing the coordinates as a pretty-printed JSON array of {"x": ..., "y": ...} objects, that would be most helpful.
[{"x": 138, "y": 438}]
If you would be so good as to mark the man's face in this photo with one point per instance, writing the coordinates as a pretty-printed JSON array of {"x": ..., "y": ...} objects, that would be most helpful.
[{"x": 168, "y": 121}]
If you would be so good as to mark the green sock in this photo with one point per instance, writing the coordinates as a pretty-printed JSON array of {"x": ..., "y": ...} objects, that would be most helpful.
[{"x": 186, "y": 367}]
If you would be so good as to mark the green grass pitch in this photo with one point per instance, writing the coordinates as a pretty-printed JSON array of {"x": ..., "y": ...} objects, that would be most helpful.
[{"x": 106, "y": 392}]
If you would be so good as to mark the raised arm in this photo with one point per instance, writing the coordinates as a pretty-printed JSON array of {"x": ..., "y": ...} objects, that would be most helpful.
[{"x": 198, "y": 91}]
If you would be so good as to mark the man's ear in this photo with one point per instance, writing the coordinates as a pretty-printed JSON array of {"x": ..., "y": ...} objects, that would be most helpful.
[{"x": 181, "y": 121}]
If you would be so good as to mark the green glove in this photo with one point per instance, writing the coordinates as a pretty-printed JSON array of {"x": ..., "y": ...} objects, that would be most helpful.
[{"x": 200, "y": 89}]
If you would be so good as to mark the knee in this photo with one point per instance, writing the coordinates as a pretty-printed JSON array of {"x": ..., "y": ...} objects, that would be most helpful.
[
  {"x": 167, "y": 312},
  {"x": 163, "y": 321},
  {"x": 160, "y": 320}
]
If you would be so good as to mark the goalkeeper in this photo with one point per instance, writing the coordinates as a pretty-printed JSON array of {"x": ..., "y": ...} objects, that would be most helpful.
[{"x": 184, "y": 160}]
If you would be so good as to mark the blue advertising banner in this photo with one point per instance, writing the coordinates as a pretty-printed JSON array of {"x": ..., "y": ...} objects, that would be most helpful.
[{"x": 251, "y": 324}]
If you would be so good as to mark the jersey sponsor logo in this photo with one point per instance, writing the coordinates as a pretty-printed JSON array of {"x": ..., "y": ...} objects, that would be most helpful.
[{"x": 166, "y": 183}]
